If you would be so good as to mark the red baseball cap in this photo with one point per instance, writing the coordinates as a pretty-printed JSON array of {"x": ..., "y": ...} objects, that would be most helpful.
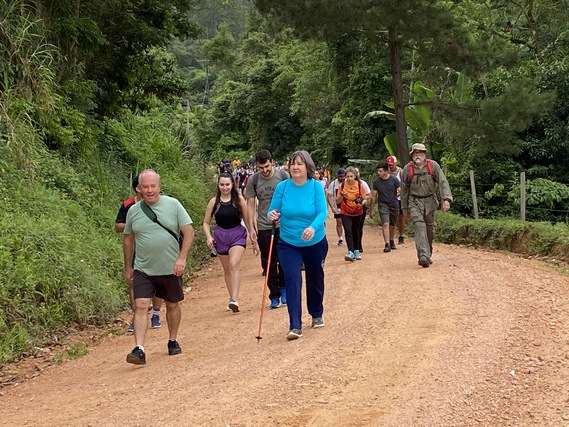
[{"x": 391, "y": 160}]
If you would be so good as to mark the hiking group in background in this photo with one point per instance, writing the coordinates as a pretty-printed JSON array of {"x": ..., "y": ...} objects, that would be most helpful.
[{"x": 287, "y": 213}]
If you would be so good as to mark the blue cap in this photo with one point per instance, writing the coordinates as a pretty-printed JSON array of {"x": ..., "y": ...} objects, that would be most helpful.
[{"x": 341, "y": 172}]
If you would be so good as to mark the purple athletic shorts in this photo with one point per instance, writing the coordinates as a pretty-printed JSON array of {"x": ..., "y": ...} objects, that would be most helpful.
[{"x": 226, "y": 238}]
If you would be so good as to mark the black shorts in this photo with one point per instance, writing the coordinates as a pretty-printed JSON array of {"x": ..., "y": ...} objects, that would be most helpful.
[
  {"x": 168, "y": 287},
  {"x": 337, "y": 216}
]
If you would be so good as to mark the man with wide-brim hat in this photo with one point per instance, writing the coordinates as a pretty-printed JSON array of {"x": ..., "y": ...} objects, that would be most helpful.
[{"x": 419, "y": 201}]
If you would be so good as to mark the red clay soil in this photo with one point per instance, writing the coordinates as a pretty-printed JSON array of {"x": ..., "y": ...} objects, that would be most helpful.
[{"x": 477, "y": 339}]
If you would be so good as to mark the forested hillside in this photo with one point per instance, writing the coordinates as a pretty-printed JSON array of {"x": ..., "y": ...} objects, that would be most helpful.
[{"x": 93, "y": 92}]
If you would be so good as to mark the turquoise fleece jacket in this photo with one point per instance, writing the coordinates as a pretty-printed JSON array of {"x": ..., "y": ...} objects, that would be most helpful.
[{"x": 300, "y": 206}]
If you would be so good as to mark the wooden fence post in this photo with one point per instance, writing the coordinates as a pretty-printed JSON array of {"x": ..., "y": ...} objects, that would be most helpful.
[
  {"x": 523, "y": 196},
  {"x": 473, "y": 191}
]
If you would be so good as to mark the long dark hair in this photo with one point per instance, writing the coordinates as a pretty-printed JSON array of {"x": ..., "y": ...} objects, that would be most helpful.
[{"x": 235, "y": 201}]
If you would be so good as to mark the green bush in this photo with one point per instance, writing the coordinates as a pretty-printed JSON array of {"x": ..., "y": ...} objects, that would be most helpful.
[
  {"x": 58, "y": 269},
  {"x": 530, "y": 238}
]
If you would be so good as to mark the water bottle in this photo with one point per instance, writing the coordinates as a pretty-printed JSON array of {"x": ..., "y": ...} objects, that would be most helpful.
[{"x": 213, "y": 251}]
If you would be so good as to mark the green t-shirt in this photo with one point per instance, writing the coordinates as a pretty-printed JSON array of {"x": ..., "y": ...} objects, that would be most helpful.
[{"x": 155, "y": 249}]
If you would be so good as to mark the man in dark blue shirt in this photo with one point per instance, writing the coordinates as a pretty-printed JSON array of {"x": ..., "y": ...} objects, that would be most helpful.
[{"x": 385, "y": 189}]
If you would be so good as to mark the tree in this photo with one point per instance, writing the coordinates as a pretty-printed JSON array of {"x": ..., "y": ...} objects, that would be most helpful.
[
  {"x": 100, "y": 37},
  {"x": 429, "y": 27}
]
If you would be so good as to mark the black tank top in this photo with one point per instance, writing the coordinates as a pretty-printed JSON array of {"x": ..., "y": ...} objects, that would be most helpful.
[{"x": 226, "y": 216}]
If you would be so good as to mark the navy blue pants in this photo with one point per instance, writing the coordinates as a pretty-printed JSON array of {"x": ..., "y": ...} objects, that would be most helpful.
[{"x": 291, "y": 259}]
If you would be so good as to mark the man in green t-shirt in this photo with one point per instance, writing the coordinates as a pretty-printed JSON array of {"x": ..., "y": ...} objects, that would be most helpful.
[{"x": 159, "y": 262}]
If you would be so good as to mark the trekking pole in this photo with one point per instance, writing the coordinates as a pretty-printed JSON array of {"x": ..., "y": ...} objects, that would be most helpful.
[{"x": 266, "y": 282}]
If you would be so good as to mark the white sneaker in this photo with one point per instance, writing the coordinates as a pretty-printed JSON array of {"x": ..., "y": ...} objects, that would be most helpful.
[{"x": 233, "y": 306}]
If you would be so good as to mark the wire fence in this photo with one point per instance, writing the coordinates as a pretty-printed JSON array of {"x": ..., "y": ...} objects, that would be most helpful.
[{"x": 508, "y": 199}]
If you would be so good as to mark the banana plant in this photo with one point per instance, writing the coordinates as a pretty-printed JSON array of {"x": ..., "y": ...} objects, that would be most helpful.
[{"x": 418, "y": 115}]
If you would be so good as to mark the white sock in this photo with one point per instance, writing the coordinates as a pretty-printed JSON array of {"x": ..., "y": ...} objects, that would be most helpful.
[
  {"x": 156, "y": 312},
  {"x": 140, "y": 347}
]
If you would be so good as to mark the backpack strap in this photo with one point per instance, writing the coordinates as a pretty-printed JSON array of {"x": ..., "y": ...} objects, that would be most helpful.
[
  {"x": 411, "y": 173},
  {"x": 152, "y": 217},
  {"x": 430, "y": 168}
]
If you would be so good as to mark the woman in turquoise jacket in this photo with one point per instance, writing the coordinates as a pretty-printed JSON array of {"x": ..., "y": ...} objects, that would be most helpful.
[{"x": 299, "y": 204}]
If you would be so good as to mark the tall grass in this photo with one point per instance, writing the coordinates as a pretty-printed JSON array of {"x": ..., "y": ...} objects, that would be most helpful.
[{"x": 58, "y": 269}]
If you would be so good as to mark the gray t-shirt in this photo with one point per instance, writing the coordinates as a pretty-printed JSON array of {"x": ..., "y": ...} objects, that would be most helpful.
[
  {"x": 155, "y": 249},
  {"x": 264, "y": 193},
  {"x": 386, "y": 190}
]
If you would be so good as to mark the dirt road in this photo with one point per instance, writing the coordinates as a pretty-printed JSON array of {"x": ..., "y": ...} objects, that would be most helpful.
[{"x": 477, "y": 339}]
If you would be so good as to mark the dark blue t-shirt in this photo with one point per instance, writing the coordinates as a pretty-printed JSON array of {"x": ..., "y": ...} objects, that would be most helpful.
[{"x": 386, "y": 190}]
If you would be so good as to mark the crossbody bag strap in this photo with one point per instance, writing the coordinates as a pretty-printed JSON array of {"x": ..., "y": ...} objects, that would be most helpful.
[{"x": 152, "y": 217}]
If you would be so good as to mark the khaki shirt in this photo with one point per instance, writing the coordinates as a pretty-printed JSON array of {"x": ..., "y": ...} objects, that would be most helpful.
[{"x": 423, "y": 184}]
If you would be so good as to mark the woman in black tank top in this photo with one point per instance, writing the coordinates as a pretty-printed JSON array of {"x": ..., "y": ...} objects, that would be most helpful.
[{"x": 229, "y": 209}]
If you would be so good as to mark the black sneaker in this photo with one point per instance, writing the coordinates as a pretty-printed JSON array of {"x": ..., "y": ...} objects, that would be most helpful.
[
  {"x": 317, "y": 322},
  {"x": 401, "y": 240},
  {"x": 424, "y": 262},
  {"x": 387, "y": 248},
  {"x": 174, "y": 348},
  {"x": 136, "y": 356},
  {"x": 392, "y": 245}
]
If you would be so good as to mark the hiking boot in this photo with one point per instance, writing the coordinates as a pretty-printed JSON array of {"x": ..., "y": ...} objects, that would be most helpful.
[
  {"x": 233, "y": 306},
  {"x": 340, "y": 242},
  {"x": 283, "y": 296},
  {"x": 387, "y": 248},
  {"x": 155, "y": 322},
  {"x": 392, "y": 245},
  {"x": 173, "y": 347},
  {"x": 294, "y": 334},
  {"x": 401, "y": 240},
  {"x": 317, "y": 322},
  {"x": 275, "y": 303},
  {"x": 130, "y": 328},
  {"x": 357, "y": 255},
  {"x": 350, "y": 256},
  {"x": 136, "y": 356},
  {"x": 424, "y": 262}
]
